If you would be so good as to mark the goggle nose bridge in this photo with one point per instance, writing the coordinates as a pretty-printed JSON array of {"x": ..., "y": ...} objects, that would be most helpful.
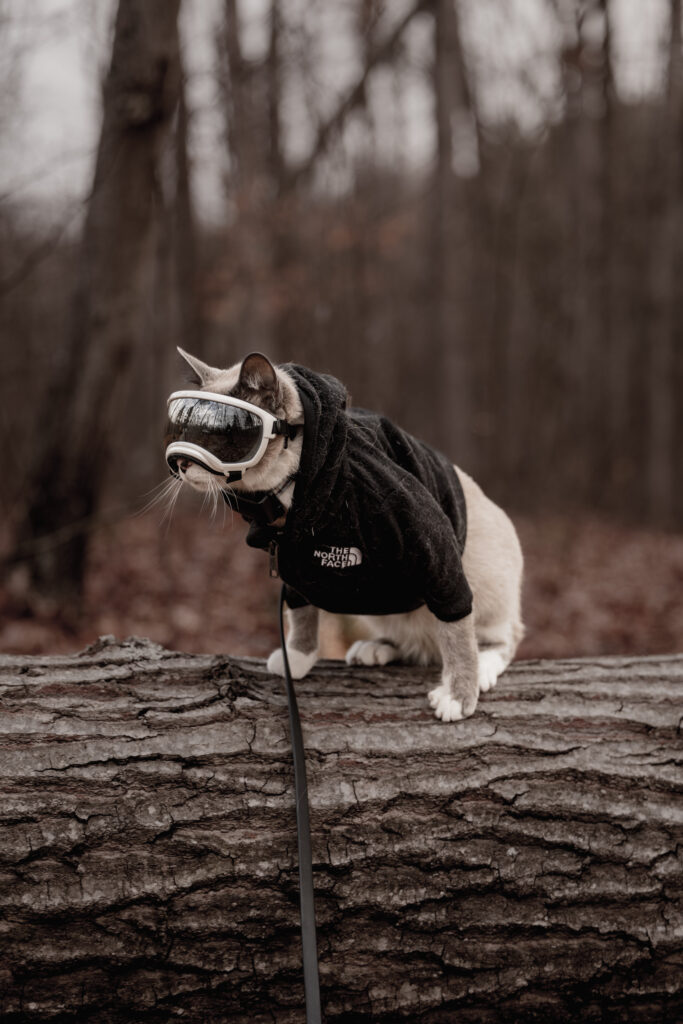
[{"x": 175, "y": 459}]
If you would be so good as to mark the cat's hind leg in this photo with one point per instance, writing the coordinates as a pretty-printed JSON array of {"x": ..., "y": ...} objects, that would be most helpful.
[
  {"x": 497, "y": 646},
  {"x": 493, "y": 565},
  {"x": 380, "y": 651},
  {"x": 409, "y": 637}
]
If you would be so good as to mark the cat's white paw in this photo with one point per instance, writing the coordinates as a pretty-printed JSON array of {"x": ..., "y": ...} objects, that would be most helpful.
[
  {"x": 447, "y": 708},
  {"x": 370, "y": 652},
  {"x": 299, "y": 664},
  {"x": 491, "y": 665}
]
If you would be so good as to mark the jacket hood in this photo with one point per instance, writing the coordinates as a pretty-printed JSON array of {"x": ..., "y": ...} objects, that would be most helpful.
[{"x": 324, "y": 446}]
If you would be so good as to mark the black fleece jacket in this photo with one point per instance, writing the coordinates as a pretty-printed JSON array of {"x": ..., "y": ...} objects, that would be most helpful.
[{"x": 378, "y": 519}]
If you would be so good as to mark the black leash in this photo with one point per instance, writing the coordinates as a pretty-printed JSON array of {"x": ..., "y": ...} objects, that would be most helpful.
[
  {"x": 261, "y": 511},
  {"x": 303, "y": 834}
]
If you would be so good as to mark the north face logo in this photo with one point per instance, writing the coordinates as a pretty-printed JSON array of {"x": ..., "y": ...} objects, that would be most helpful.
[{"x": 337, "y": 558}]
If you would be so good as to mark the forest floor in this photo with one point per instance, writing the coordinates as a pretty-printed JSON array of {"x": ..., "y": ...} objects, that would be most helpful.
[{"x": 591, "y": 587}]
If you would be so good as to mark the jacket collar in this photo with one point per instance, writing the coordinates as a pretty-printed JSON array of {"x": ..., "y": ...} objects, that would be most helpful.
[{"x": 261, "y": 507}]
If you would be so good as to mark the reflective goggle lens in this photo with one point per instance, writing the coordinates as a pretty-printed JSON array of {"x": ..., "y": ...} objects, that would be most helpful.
[{"x": 228, "y": 432}]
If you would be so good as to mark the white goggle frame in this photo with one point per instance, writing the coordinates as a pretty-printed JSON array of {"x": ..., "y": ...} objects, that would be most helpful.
[{"x": 272, "y": 427}]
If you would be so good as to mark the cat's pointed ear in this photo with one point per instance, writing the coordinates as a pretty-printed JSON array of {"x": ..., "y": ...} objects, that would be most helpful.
[
  {"x": 205, "y": 373},
  {"x": 258, "y": 373}
]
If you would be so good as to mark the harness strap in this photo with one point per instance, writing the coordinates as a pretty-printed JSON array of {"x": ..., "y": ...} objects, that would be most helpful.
[
  {"x": 263, "y": 510},
  {"x": 262, "y": 507}
]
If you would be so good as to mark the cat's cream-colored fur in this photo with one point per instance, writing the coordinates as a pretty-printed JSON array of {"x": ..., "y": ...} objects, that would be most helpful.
[
  {"x": 493, "y": 565},
  {"x": 474, "y": 651}
]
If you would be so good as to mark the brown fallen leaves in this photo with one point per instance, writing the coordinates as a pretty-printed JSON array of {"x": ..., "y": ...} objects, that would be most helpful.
[{"x": 592, "y": 587}]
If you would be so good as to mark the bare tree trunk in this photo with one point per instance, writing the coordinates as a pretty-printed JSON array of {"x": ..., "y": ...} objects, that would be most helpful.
[
  {"x": 507, "y": 398},
  {"x": 289, "y": 305},
  {"x": 666, "y": 266},
  {"x": 609, "y": 356},
  {"x": 245, "y": 97},
  {"x": 185, "y": 237},
  {"x": 445, "y": 350},
  {"x": 591, "y": 344},
  {"x": 620, "y": 337},
  {"x": 83, "y": 413},
  {"x": 524, "y": 865}
]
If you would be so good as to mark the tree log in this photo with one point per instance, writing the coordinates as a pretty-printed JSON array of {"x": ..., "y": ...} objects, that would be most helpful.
[{"x": 523, "y": 865}]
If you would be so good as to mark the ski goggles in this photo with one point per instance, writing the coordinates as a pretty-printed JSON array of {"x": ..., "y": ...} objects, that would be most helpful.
[{"x": 222, "y": 434}]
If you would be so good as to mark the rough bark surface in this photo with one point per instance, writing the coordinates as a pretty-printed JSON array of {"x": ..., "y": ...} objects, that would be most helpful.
[{"x": 524, "y": 865}]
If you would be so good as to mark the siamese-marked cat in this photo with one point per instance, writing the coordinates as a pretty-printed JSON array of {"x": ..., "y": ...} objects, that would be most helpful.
[{"x": 373, "y": 520}]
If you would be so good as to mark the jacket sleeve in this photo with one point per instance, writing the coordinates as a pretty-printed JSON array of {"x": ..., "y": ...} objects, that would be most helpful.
[{"x": 432, "y": 556}]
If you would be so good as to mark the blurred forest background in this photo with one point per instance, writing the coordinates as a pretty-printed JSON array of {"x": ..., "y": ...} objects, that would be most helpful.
[{"x": 469, "y": 210}]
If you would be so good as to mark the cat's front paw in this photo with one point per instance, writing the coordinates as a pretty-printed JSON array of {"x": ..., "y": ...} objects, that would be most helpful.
[
  {"x": 446, "y": 707},
  {"x": 371, "y": 652},
  {"x": 300, "y": 664},
  {"x": 452, "y": 700},
  {"x": 491, "y": 665}
]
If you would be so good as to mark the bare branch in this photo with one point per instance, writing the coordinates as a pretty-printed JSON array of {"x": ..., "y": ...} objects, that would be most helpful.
[{"x": 378, "y": 55}]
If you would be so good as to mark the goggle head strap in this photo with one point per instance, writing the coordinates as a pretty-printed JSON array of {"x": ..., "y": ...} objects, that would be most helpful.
[{"x": 286, "y": 430}]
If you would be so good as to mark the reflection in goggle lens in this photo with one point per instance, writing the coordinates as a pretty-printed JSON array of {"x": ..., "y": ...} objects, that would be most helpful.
[{"x": 230, "y": 433}]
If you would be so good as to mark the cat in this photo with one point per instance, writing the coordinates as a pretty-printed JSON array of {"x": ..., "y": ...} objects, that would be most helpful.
[{"x": 474, "y": 649}]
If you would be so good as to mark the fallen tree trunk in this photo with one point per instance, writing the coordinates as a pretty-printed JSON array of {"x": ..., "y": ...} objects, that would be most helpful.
[{"x": 523, "y": 865}]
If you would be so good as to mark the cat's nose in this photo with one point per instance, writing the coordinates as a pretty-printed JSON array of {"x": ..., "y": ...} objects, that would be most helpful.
[{"x": 184, "y": 465}]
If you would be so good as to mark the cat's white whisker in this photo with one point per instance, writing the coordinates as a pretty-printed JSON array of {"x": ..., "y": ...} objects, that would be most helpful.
[
  {"x": 166, "y": 498},
  {"x": 231, "y": 494},
  {"x": 168, "y": 514},
  {"x": 227, "y": 509},
  {"x": 157, "y": 487},
  {"x": 163, "y": 490}
]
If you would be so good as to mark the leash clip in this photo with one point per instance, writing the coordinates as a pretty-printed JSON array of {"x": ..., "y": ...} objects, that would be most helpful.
[{"x": 274, "y": 567}]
